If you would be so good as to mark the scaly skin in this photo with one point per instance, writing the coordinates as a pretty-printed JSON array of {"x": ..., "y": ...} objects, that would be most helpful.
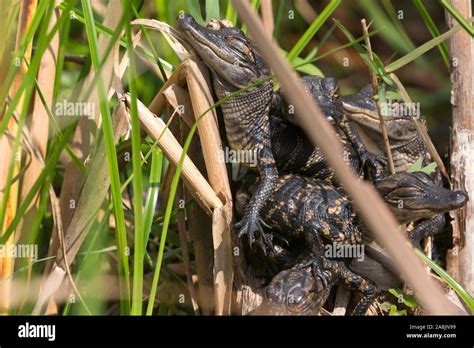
[
  {"x": 235, "y": 64},
  {"x": 308, "y": 208},
  {"x": 416, "y": 197},
  {"x": 302, "y": 158},
  {"x": 405, "y": 143},
  {"x": 297, "y": 291}
]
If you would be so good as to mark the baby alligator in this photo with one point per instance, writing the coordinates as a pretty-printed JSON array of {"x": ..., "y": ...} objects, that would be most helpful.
[
  {"x": 416, "y": 197},
  {"x": 406, "y": 143},
  {"x": 235, "y": 64},
  {"x": 296, "y": 291}
]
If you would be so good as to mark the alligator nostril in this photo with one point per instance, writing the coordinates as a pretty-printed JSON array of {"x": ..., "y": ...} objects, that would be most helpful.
[
  {"x": 460, "y": 198},
  {"x": 185, "y": 21}
]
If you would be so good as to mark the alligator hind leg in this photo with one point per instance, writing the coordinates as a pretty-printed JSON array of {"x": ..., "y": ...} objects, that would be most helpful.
[
  {"x": 251, "y": 223},
  {"x": 356, "y": 282}
]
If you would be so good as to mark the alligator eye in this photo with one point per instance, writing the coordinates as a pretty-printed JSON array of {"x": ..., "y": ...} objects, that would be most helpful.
[{"x": 241, "y": 47}]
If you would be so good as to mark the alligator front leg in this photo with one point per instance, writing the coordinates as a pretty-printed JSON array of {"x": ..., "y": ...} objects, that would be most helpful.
[
  {"x": 374, "y": 164},
  {"x": 251, "y": 223},
  {"x": 427, "y": 228}
]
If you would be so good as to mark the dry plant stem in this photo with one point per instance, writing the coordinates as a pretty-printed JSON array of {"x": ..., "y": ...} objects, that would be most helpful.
[
  {"x": 201, "y": 98},
  {"x": 183, "y": 240},
  {"x": 421, "y": 129},
  {"x": 39, "y": 126},
  {"x": 306, "y": 10},
  {"x": 199, "y": 223},
  {"x": 376, "y": 214},
  {"x": 27, "y": 9},
  {"x": 375, "y": 87},
  {"x": 267, "y": 16},
  {"x": 37, "y": 154},
  {"x": 460, "y": 260},
  {"x": 201, "y": 190}
]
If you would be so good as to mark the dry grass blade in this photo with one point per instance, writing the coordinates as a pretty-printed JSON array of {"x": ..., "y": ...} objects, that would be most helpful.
[
  {"x": 171, "y": 35},
  {"x": 376, "y": 214},
  {"x": 27, "y": 9},
  {"x": 40, "y": 123}
]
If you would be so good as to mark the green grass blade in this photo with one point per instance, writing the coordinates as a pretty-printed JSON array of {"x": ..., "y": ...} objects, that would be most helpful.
[
  {"x": 230, "y": 13},
  {"x": 278, "y": 18},
  {"x": 362, "y": 52},
  {"x": 313, "y": 29},
  {"x": 463, "y": 293},
  {"x": 458, "y": 17},
  {"x": 153, "y": 192},
  {"x": 195, "y": 10},
  {"x": 419, "y": 51},
  {"x": 212, "y": 10},
  {"x": 387, "y": 30},
  {"x": 138, "y": 257},
  {"x": 111, "y": 161},
  {"x": 433, "y": 29}
]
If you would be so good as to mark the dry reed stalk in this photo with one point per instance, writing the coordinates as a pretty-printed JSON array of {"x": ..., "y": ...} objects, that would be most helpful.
[
  {"x": 267, "y": 16},
  {"x": 39, "y": 125},
  {"x": 200, "y": 188},
  {"x": 460, "y": 260},
  {"x": 376, "y": 214},
  {"x": 198, "y": 82},
  {"x": 27, "y": 9}
]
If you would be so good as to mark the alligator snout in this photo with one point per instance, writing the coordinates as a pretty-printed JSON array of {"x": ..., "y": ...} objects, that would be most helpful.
[{"x": 460, "y": 198}]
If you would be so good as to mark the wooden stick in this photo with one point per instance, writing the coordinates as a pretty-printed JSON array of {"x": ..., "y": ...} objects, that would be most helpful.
[{"x": 460, "y": 260}]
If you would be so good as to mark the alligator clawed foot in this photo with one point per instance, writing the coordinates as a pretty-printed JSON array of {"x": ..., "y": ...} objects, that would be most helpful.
[
  {"x": 317, "y": 269},
  {"x": 376, "y": 165},
  {"x": 253, "y": 229}
]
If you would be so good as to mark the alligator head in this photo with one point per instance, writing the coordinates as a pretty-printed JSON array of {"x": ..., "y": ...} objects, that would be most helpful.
[
  {"x": 405, "y": 142},
  {"x": 294, "y": 291},
  {"x": 325, "y": 92},
  {"x": 226, "y": 51},
  {"x": 414, "y": 196}
]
